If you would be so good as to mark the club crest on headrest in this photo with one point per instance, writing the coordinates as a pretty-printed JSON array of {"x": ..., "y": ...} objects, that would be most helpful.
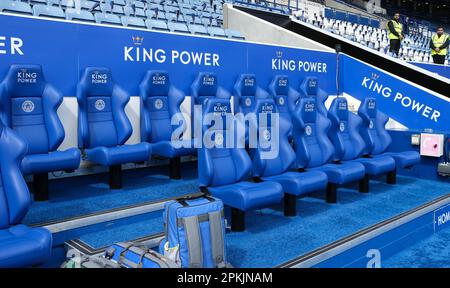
[
  {"x": 27, "y": 106},
  {"x": 248, "y": 102},
  {"x": 100, "y": 105}
]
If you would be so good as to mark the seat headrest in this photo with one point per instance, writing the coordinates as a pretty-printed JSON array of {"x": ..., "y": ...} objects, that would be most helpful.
[
  {"x": 218, "y": 106},
  {"x": 206, "y": 84},
  {"x": 25, "y": 81},
  {"x": 280, "y": 85},
  {"x": 369, "y": 107},
  {"x": 310, "y": 86},
  {"x": 308, "y": 110},
  {"x": 266, "y": 106},
  {"x": 339, "y": 108},
  {"x": 157, "y": 83},
  {"x": 97, "y": 81},
  {"x": 246, "y": 84}
]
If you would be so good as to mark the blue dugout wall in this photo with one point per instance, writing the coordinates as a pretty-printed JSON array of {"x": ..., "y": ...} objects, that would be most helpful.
[{"x": 64, "y": 49}]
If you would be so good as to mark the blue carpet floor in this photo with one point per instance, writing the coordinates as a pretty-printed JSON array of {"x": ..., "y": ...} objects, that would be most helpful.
[
  {"x": 271, "y": 238},
  {"x": 432, "y": 252},
  {"x": 70, "y": 197}
]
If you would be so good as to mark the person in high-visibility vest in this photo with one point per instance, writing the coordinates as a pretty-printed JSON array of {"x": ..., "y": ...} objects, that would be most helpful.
[
  {"x": 395, "y": 29},
  {"x": 439, "y": 44}
]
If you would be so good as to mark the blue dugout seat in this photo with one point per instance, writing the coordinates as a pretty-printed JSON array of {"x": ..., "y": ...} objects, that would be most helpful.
[
  {"x": 20, "y": 246},
  {"x": 309, "y": 87},
  {"x": 246, "y": 92},
  {"x": 284, "y": 96},
  {"x": 206, "y": 86},
  {"x": 29, "y": 105},
  {"x": 315, "y": 151},
  {"x": 274, "y": 158},
  {"x": 349, "y": 145},
  {"x": 160, "y": 106},
  {"x": 378, "y": 140},
  {"x": 223, "y": 170},
  {"x": 103, "y": 126},
  {"x": 15, "y": 7}
]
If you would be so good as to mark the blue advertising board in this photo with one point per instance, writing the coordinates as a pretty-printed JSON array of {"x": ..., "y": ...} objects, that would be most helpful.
[
  {"x": 406, "y": 102},
  {"x": 64, "y": 49}
]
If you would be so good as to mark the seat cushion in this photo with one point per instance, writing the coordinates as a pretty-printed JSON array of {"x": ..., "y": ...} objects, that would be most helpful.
[
  {"x": 248, "y": 195},
  {"x": 378, "y": 165},
  {"x": 21, "y": 246},
  {"x": 109, "y": 156},
  {"x": 403, "y": 159},
  {"x": 53, "y": 161},
  {"x": 342, "y": 173},
  {"x": 297, "y": 183},
  {"x": 167, "y": 149}
]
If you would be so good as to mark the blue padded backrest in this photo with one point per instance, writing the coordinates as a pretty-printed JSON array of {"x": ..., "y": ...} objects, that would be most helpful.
[
  {"x": 286, "y": 155},
  {"x": 29, "y": 105},
  {"x": 102, "y": 120},
  {"x": 246, "y": 92},
  {"x": 344, "y": 131},
  {"x": 15, "y": 198},
  {"x": 313, "y": 147},
  {"x": 309, "y": 87},
  {"x": 220, "y": 165},
  {"x": 160, "y": 101},
  {"x": 373, "y": 129},
  {"x": 204, "y": 87},
  {"x": 279, "y": 90}
]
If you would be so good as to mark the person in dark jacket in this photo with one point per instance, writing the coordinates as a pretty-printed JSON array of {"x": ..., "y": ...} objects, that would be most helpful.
[
  {"x": 439, "y": 43},
  {"x": 395, "y": 29}
]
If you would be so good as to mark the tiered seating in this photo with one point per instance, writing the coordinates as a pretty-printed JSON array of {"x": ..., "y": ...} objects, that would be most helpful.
[{"x": 197, "y": 17}]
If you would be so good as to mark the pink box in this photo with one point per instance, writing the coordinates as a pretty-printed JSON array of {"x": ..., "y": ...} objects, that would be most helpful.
[{"x": 431, "y": 145}]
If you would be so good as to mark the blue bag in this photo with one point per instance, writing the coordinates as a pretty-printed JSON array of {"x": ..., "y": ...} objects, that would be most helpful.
[
  {"x": 134, "y": 255},
  {"x": 194, "y": 232}
]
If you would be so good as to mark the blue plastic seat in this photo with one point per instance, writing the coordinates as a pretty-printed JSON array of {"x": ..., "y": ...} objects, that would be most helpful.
[
  {"x": 103, "y": 18},
  {"x": 151, "y": 14},
  {"x": 156, "y": 25},
  {"x": 349, "y": 145},
  {"x": 378, "y": 140},
  {"x": 234, "y": 34},
  {"x": 20, "y": 246},
  {"x": 82, "y": 15},
  {"x": 217, "y": 32},
  {"x": 48, "y": 11},
  {"x": 315, "y": 151},
  {"x": 29, "y": 106},
  {"x": 160, "y": 106},
  {"x": 198, "y": 30},
  {"x": 15, "y": 7},
  {"x": 103, "y": 126},
  {"x": 178, "y": 27},
  {"x": 132, "y": 22},
  {"x": 274, "y": 158},
  {"x": 223, "y": 169}
]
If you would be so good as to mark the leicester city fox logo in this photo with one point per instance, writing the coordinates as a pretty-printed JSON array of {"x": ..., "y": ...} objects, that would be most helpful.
[
  {"x": 371, "y": 124},
  {"x": 248, "y": 102},
  {"x": 100, "y": 105},
  {"x": 28, "y": 106},
  {"x": 342, "y": 126},
  {"x": 281, "y": 101},
  {"x": 308, "y": 130},
  {"x": 159, "y": 104}
]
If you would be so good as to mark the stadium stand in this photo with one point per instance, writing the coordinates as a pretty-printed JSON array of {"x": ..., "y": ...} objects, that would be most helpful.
[{"x": 183, "y": 16}]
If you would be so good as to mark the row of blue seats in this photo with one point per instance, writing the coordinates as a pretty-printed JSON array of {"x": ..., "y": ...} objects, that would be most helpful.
[
  {"x": 328, "y": 145},
  {"x": 161, "y": 21}
]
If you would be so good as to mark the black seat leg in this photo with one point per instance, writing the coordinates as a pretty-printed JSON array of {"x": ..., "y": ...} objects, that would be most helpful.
[
  {"x": 364, "y": 184},
  {"x": 331, "y": 196},
  {"x": 237, "y": 220},
  {"x": 40, "y": 186},
  {"x": 391, "y": 177},
  {"x": 115, "y": 177},
  {"x": 290, "y": 205},
  {"x": 175, "y": 168}
]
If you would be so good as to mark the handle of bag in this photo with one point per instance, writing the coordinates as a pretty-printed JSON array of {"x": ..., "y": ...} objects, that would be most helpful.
[
  {"x": 127, "y": 262},
  {"x": 183, "y": 202}
]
